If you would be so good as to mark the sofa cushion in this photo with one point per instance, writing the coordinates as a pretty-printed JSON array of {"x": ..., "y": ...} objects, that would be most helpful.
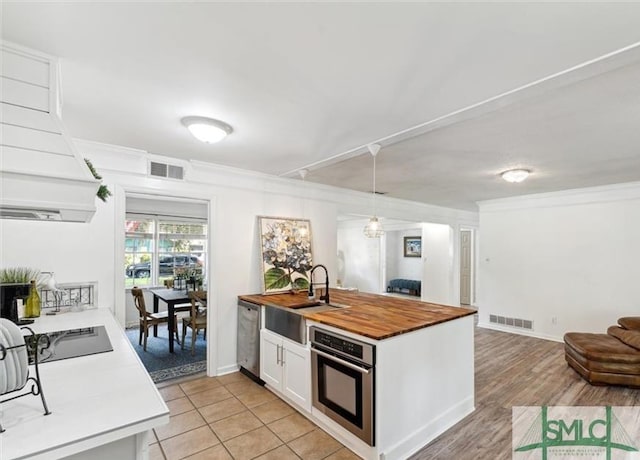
[
  {"x": 631, "y": 338},
  {"x": 630, "y": 322},
  {"x": 607, "y": 367},
  {"x": 601, "y": 347},
  {"x": 597, "y": 377}
]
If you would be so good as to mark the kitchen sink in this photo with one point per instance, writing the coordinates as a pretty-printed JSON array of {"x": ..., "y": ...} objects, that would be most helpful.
[
  {"x": 289, "y": 322},
  {"x": 307, "y": 304},
  {"x": 286, "y": 322},
  {"x": 337, "y": 305},
  {"x": 316, "y": 305},
  {"x": 320, "y": 307}
]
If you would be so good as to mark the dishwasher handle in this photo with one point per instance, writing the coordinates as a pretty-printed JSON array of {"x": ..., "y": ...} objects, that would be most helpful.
[{"x": 248, "y": 305}]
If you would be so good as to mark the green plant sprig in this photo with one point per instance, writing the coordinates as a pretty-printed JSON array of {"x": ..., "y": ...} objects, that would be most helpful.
[{"x": 103, "y": 191}]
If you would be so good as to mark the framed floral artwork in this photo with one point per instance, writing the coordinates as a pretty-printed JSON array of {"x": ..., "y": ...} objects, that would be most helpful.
[{"x": 286, "y": 253}]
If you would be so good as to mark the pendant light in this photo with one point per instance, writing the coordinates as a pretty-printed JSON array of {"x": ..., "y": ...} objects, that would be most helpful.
[
  {"x": 373, "y": 229},
  {"x": 303, "y": 174}
]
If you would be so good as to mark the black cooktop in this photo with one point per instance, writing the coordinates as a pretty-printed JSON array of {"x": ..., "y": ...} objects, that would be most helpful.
[{"x": 72, "y": 343}]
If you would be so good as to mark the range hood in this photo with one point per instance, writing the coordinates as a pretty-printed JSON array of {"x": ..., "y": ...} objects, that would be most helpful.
[{"x": 42, "y": 175}]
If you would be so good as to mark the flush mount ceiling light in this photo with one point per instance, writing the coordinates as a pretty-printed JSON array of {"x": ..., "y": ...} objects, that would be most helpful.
[
  {"x": 207, "y": 129},
  {"x": 374, "y": 229},
  {"x": 515, "y": 175}
]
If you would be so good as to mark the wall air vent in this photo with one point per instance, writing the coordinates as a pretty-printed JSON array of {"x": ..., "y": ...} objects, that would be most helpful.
[
  {"x": 166, "y": 170},
  {"x": 511, "y": 322}
]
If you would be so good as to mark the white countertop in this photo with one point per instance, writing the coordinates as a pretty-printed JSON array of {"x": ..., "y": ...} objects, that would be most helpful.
[{"x": 93, "y": 399}]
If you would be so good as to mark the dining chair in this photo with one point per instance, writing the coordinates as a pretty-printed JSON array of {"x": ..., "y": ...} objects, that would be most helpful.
[
  {"x": 147, "y": 320},
  {"x": 197, "y": 319}
]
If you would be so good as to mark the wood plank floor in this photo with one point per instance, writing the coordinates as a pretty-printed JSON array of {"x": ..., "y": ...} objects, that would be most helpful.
[{"x": 513, "y": 370}]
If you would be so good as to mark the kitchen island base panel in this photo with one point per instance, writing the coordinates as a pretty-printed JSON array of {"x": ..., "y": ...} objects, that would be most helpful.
[
  {"x": 419, "y": 439},
  {"x": 424, "y": 385}
]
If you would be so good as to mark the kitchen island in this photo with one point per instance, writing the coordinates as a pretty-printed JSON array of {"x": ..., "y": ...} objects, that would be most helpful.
[
  {"x": 423, "y": 372},
  {"x": 102, "y": 405}
]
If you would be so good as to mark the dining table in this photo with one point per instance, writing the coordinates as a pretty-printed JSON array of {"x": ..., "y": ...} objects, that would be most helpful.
[{"x": 171, "y": 297}]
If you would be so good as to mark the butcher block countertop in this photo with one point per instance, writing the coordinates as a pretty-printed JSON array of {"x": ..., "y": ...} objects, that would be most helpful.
[{"x": 371, "y": 315}]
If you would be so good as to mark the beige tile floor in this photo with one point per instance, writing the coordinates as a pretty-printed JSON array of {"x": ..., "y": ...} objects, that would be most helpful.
[{"x": 231, "y": 417}]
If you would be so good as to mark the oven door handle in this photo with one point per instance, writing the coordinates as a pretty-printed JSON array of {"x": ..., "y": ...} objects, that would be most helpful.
[{"x": 342, "y": 361}]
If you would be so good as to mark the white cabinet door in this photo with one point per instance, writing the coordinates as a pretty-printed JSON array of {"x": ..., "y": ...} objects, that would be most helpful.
[
  {"x": 296, "y": 380},
  {"x": 270, "y": 355},
  {"x": 286, "y": 367}
]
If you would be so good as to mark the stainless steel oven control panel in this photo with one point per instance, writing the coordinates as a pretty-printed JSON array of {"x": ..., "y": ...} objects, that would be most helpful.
[{"x": 345, "y": 346}]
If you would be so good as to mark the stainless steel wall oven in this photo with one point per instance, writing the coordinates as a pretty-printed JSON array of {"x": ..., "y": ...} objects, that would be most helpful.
[{"x": 343, "y": 381}]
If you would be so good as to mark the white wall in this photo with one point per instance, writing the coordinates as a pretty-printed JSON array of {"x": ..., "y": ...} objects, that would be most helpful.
[
  {"x": 399, "y": 266},
  {"x": 572, "y": 256},
  {"x": 95, "y": 251},
  {"x": 359, "y": 257},
  {"x": 76, "y": 252},
  {"x": 438, "y": 264}
]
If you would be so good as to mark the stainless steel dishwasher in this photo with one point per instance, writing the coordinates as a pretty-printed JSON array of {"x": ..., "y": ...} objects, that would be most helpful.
[{"x": 248, "y": 339}]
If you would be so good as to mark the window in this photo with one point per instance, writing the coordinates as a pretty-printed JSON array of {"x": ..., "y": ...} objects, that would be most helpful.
[{"x": 160, "y": 248}]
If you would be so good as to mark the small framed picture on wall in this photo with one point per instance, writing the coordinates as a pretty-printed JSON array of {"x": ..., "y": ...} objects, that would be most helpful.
[{"x": 412, "y": 246}]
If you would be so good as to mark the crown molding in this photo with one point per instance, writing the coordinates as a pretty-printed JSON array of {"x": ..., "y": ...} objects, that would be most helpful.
[
  {"x": 128, "y": 162},
  {"x": 588, "y": 195}
]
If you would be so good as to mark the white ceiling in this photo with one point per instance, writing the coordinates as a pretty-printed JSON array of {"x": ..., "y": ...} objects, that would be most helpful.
[{"x": 455, "y": 92}]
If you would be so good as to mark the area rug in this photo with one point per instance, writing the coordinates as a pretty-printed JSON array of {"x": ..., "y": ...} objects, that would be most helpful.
[{"x": 163, "y": 365}]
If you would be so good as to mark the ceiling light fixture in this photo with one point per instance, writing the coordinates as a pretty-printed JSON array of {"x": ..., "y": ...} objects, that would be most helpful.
[
  {"x": 515, "y": 175},
  {"x": 207, "y": 129},
  {"x": 374, "y": 229}
]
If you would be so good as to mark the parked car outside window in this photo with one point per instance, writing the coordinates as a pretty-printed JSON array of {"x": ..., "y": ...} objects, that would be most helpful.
[{"x": 166, "y": 265}]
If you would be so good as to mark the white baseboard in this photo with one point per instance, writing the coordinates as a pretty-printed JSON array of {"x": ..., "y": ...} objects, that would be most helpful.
[
  {"x": 407, "y": 446},
  {"x": 349, "y": 440},
  {"x": 227, "y": 369},
  {"x": 497, "y": 327},
  {"x": 427, "y": 433}
]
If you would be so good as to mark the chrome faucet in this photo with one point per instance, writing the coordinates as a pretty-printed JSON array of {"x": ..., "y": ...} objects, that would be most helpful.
[{"x": 324, "y": 297}]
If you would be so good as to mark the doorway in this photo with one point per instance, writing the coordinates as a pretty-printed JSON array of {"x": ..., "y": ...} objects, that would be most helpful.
[{"x": 166, "y": 240}]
